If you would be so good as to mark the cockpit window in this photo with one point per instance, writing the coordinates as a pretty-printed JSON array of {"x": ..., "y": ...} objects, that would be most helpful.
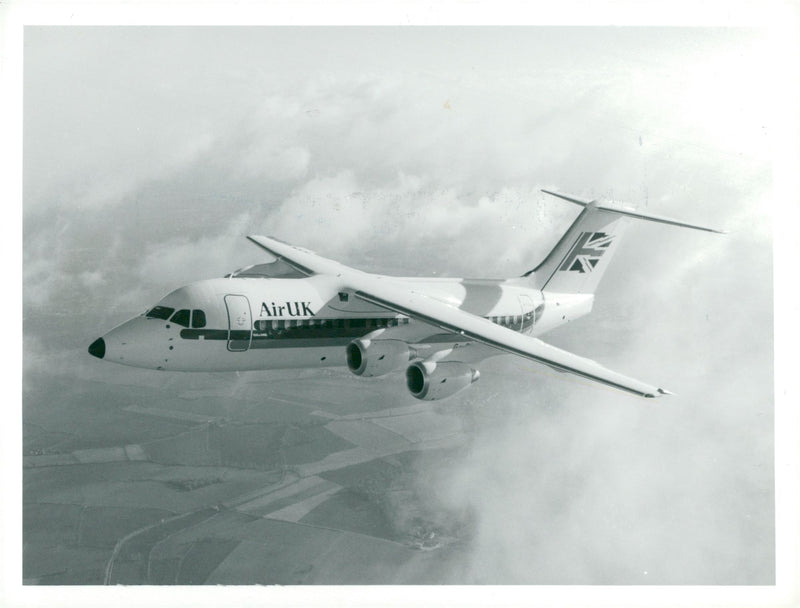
[
  {"x": 181, "y": 318},
  {"x": 159, "y": 312},
  {"x": 198, "y": 318}
]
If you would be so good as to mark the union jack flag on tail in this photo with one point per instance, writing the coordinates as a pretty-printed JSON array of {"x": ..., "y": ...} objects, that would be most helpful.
[
  {"x": 577, "y": 262},
  {"x": 587, "y": 251}
]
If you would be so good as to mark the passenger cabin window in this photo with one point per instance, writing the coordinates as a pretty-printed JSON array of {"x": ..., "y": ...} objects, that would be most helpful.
[
  {"x": 198, "y": 319},
  {"x": 181, "y": 318},
  {"x": 159, "y": 312}
]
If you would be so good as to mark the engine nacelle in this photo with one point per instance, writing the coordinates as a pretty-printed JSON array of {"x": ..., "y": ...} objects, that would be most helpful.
[
  {"x": 376, "y": 357},
  {"x": 430, "y": 381}
]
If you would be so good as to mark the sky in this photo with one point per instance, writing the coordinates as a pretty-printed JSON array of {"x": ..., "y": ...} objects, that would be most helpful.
[{"x": 150, "y": 153}]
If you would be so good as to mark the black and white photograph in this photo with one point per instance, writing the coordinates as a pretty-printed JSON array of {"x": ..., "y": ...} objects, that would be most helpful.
[{"x": 397, "y": 305}]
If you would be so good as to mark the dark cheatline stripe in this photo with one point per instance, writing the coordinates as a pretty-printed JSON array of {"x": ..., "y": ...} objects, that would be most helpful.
[
  {"x": 303, "y": 337},
  {"x": 316, "y": 336},
  {"x": 208, "y": 334},
  {"x": 281, "y": 335},
  {"x": 263, "y": 343}
]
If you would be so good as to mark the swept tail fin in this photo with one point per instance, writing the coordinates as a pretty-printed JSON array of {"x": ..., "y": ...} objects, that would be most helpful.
[{"x": 577, "y": 262}]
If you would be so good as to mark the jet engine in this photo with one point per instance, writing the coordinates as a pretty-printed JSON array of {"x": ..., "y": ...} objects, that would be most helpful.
[
  {"x": 376, "y": 357},
  {"x": 430, "y": 381}
]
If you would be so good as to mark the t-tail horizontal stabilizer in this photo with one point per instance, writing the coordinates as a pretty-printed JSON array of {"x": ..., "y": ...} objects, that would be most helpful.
[{"x": 631, "y": 213}]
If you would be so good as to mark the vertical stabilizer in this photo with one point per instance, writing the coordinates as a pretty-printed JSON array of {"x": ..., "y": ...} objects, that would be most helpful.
[{"x": 577, "y": 262}]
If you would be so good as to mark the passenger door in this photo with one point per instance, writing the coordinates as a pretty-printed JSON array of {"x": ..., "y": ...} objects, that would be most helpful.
[{"x": 240, "y": 323}]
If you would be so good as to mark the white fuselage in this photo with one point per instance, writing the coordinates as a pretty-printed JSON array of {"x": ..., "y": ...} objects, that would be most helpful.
[{"x": 236, "y": 323}]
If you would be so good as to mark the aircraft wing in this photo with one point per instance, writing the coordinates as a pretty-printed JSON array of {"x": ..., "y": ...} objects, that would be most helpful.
[
  {"x": 293, "y": 256},
  {"x": 385, "y": 292}
]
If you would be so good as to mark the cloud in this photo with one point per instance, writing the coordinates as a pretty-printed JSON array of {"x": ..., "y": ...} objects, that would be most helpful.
[
  {"x": 576, "y": 486},
  {"x": 265, "y": 163},
  {"x": 194, "y": 259}
]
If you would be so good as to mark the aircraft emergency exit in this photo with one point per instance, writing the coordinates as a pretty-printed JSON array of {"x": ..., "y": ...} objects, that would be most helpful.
[{"x": 303, "y": 310}]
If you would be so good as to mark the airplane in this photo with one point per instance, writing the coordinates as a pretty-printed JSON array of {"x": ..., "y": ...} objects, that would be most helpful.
[{"x": 301, "y": 310}]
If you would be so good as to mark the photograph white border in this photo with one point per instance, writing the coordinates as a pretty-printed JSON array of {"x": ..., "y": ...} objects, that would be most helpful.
[{"x": 780, "y": 17}]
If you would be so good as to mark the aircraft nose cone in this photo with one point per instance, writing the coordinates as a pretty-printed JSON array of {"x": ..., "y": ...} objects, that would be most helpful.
[{"x": 98, "y": 348}]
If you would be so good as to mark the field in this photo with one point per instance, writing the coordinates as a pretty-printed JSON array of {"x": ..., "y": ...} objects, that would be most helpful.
[{"x": 221, "y": 479}]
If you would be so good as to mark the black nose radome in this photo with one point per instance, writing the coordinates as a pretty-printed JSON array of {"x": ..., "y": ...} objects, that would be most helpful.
[{"x": 98, "y": 348}]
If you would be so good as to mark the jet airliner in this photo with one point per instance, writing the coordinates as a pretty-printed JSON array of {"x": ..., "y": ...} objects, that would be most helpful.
[{"x": 303, "y": 310}]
